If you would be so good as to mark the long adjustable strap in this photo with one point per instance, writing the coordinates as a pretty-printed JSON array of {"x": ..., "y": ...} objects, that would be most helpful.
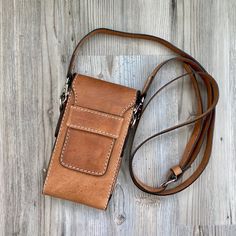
[
  {"x": 203, "y": 121},
  {"x": 193, "y": 147}
]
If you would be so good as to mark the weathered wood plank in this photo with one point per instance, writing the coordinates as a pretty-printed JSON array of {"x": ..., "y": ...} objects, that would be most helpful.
[{"x": 36, "y": 41}]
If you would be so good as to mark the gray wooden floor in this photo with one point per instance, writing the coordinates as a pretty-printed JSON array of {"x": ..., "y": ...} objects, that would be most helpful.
[{"x": 36, "y": 41}]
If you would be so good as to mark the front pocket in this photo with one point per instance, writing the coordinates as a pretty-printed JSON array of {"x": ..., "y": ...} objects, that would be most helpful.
[{"x": 89, "y": 140}]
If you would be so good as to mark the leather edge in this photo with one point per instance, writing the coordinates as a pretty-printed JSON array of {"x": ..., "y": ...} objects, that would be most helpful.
[
  {"x": 118, "y": 163},
  {"x": 56, "y": 143}
]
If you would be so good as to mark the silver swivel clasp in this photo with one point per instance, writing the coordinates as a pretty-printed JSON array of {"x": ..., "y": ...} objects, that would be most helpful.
[{"x": 64, "y": 93}]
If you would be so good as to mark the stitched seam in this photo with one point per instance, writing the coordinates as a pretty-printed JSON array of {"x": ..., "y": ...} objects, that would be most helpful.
[
  {"x": 81, "y": 169},
  {"x": 58, "y": 137},
  {"x": 130, "y": 104},
  {"x": 73, "y": 87},
  {"x": 97, "y": 113},
  {"x": 115, "y": 172},
  {"x": 93, "y": 130}
]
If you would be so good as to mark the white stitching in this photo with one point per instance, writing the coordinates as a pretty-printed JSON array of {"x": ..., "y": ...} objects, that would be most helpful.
[
  {"x": 117, "y": 164},
  {"x": 97, "y": 113},
  {"x": 93, "y": 130},
  {"x": 73, "y": 87},
  {"x": 130, "y": 105},
  {"x": 84, "y": 170},
  {"x": 58, "y": 137}
]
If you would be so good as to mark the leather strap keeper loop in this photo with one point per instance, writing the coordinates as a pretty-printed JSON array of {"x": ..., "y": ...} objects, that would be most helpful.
[{"x": 176, "y": 170}]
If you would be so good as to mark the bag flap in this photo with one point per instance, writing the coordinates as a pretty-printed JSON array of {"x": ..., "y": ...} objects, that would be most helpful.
[{"x": 103, "y": 96}]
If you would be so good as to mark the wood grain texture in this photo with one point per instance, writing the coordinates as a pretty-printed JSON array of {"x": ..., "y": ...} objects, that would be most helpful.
[{"x": 36, "y": 41}]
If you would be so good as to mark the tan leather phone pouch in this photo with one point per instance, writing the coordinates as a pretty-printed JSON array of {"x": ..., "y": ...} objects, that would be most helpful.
[{"x": 87, "y": 153}]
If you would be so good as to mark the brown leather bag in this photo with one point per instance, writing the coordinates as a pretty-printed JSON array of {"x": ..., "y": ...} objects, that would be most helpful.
[{"x": 95, "y": 120}]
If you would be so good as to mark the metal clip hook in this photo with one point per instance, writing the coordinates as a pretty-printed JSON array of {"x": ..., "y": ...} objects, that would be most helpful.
[
  {"x": 64, "y": 92},
  {"x": 137, "y": 112},
  {"x": 170, "y": 180}
]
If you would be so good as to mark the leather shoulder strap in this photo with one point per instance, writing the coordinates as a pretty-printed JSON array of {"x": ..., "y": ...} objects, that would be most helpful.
[
  {"x": 203, "y": 121},
  {"x": 131, "y": 36},
  {"x": 203, "y": 130}
]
